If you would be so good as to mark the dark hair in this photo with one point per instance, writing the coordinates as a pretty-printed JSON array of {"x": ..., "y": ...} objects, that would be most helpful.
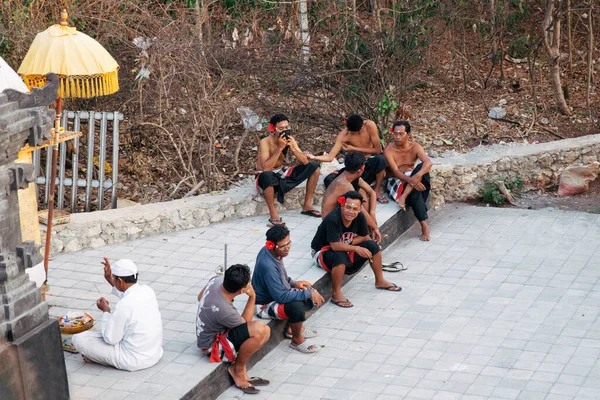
[
  {"x": 277, "y": 118},
  {"x": 236, "y": 277},
  {"x": 277, "y": 233},
  {"x": 129, "y": 279},
  {"x": 354, "y": 161},
  {"x": 354, "y": 195},
  {"x": 354, "y": 123},
  {"x": 405, "y": 124}
]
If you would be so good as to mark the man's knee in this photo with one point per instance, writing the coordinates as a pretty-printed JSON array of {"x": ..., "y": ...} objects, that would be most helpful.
[
  {"x": 315, "y": 167},
  {"x": 371, "y": 245},
  {"x": 259, "y": 329},
  {"x": 295, "y": 311},
  {"x": 266, "y": 179}
]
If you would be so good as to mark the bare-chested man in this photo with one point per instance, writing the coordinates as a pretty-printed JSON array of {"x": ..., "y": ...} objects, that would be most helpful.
[
  {"x": 348, "y": 180},
  {"x": 272, "y": 178},
  {"x": 359, "y": 135},
  {"x": 409, "y": 185}
]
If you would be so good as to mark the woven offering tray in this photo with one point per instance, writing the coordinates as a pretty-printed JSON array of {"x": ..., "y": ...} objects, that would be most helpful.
[{"x": 77, "y": 324}]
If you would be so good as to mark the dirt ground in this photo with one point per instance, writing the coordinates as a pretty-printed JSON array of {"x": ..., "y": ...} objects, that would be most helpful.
[{"x": 585, "y": 202}]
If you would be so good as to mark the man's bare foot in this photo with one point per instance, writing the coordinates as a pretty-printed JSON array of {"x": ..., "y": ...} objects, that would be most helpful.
[
  {"x": 240, "y": 378},
  {"x": 425, "y": 235},
  {"x": 401, "y": 204},
  {"x": 386, "y": 285}
]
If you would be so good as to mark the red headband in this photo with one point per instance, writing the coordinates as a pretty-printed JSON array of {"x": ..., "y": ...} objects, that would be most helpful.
[
  {"x": 270, "y": 245},
  {"x": 342, "y": 201}
]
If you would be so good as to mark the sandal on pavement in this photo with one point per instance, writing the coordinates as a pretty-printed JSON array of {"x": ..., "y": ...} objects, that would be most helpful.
[
  {"x": 396, "y": 266},
  {"x": 304, "y": 347},
  {"x": 308, "y": 334},
  {"x": 246, "y": 389},
  {"x": 382, "y": 200},
  {"x": 392, "y": 288},
  {"x": 341, "y": 303},
  {"x": 256, "y": 381},
  {"x": 276, "y": 221},
  {"x": 311, "y": 213}
]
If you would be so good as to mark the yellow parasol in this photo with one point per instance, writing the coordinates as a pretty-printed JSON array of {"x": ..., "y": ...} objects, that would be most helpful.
[{"x": 85, "y": 70}]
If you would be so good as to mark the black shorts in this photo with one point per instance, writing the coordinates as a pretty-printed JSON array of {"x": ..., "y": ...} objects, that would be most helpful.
[
  {"x": 330, "y": 259},
  {"x": 291, "y": 178},
  {"x": 374, "y": 165},
  {"x": 238, "y": 335}
]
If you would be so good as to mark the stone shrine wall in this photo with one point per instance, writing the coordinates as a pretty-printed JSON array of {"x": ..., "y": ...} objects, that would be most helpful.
[{"x": 459, "y": 178}]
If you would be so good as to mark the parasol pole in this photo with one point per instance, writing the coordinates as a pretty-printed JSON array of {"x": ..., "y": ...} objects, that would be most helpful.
[
  {"x": 52, "y": 184},
  {"x": 63, "y": 22}
]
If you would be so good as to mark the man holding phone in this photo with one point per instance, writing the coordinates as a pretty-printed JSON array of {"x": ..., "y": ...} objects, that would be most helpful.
[{"x": 275, "y": 179}]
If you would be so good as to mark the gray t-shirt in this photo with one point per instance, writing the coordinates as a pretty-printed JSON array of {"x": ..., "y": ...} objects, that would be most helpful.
[{"x": 215, "y": 314}]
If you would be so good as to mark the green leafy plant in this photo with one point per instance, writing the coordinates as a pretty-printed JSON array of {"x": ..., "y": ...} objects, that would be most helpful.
[{"x": 492, "y": 194}]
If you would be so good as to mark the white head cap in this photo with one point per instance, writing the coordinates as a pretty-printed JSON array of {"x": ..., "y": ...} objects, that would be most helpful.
[{"x": 124, "y": 267}]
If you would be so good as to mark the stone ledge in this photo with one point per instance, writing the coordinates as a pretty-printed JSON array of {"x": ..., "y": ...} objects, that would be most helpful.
[{"x": 95, "y": 229}]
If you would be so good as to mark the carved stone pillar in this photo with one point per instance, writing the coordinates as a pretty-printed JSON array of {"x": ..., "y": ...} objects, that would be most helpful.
[{"x": 32, "y": 364}]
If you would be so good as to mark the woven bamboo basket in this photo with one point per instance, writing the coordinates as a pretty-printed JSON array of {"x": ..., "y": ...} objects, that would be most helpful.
[{"x": 78, "y": 328}]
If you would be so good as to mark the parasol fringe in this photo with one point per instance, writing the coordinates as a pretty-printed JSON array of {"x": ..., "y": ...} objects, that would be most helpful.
[{"x": 79, "y": 86}]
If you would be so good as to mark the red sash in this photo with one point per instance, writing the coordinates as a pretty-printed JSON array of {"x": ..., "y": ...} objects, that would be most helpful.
[{"x": 215, "y": 354}]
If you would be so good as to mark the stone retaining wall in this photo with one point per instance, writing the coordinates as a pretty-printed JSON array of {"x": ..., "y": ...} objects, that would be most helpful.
[
  {"x": 462, "y": 177},
  {"x": 454, "y": 179},
  {"x": 100, "y": 228}
]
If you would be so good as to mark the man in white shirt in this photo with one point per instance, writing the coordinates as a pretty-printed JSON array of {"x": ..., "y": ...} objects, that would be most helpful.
[{"x": 131, "y": 337}]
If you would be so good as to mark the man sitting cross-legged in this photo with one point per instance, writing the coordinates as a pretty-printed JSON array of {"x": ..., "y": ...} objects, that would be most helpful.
[
  {"x": 348, "y": 180},
  {"x": 409, "y": 184},
  {"x": 131, "y": 337},
  {"x": 359, "y": 135},
  {"x": 342, "y": 245},
  {"x": 280, "y": 297},
  {"x": 273, "y": 179},
  {"x": 222, "y": 332}
]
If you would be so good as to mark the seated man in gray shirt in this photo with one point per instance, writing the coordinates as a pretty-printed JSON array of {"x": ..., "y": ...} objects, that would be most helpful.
[
  {"x": 222, "y": 332},
  {"x": 280, "y": 297}
]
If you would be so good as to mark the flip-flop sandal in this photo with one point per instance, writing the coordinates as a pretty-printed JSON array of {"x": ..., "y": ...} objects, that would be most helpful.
[
  {"x": 308, "y": 334},
  {"x": 304, "y": 347},
  {"x": 311, "y": 213},
  {"x": 382, "y": 200},
  {"x": 339, "y": 303},
  {"x": 274, "y": 222},
  {"x": 256, "y": 381},
  {"x": 390, "y": 288},
  {"x": 396, "y": 266},
  {"x": 247, "y": 389}
]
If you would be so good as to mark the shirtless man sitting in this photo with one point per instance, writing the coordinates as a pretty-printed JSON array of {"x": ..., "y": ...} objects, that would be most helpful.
[
  {"x": 272, "y": 178},
  {"x": 359, "y": 135},
  {"x": 349, "y": 179},
  {"x": 409, "y": 185}
]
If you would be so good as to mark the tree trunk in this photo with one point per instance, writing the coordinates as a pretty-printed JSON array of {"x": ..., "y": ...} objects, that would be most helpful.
[
  {"x": 590, "y": 59},
  {"x": 304, "y": 31},
  {"x": 570, "y": 38},
  {"x": 551, "y": 37}
]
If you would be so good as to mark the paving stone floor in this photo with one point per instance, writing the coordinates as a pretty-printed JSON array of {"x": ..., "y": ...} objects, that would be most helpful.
[
  {"x": 177, "y": 266},
  {"x": 501, "y": 304}
]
